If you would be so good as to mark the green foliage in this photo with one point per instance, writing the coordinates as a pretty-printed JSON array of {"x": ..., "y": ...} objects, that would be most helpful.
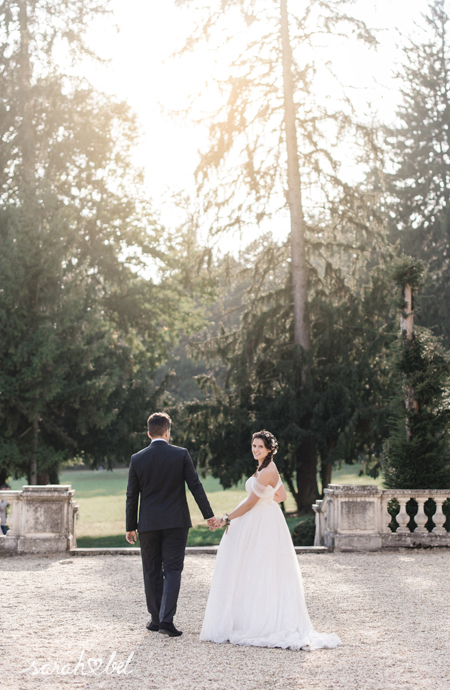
[
  {"x": 316, "y": 402},
  {"x": 406, "y": 270},
  {"x": 418, "y": 190},
  {"x": 303, "y": 534},
  {"x": 82, "y": 332},
  {"x": 417, "y": 452},
  {"x": 339, "y": 407}
]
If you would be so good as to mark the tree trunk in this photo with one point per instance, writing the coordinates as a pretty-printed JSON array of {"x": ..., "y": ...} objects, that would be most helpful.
[
  {"x": 27, "y": 142},
  {"x": 27, "y": 134},
  {"x": 407, "y": 315},
  {"x": 326, "y": 470},
  {"x": 307, "y": 491},
  {"x": 33, "y": 463},
  {"x": 407, "y": 328},
  {"x": 43, "y": 478},
  {"x": 298, "y": 252},
  {"x": 288, "y": 478}
]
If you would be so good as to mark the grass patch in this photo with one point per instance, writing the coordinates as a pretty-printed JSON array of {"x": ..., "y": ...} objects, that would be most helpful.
[
  {"x": 198, "y": 536},
  {"x": 201, "y": 536},
  {"x": 107, "y": 541},
  {"x": 349, "y": 474},
  {"x": 293, "y": 521}
]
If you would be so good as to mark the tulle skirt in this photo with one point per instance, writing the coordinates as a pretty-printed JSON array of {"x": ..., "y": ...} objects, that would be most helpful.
[{"x": 257, "y": 595}]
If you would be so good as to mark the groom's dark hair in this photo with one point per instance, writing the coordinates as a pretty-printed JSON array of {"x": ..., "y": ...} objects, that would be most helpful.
[{"x": 158, "y": 423}]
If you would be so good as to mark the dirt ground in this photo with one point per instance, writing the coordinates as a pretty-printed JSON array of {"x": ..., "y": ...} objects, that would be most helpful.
[{"x": 391, "y": 611}]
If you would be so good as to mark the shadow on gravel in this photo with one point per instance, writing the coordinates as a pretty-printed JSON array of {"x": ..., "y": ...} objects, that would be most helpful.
[{"x": 30, "y": 563}]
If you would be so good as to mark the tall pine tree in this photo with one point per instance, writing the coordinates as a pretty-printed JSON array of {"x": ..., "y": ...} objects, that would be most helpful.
[
  {"x": 340, "y": 403},
  {"x": 81, "y": 331},
  {"x": 271, "y": 146},
  {"x": 417, "y": 454},
  {"x": 419, "y": 146}
]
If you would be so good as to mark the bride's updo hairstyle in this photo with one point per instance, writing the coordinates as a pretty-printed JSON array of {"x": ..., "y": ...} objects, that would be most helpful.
[{"x": 270, "y": 443}]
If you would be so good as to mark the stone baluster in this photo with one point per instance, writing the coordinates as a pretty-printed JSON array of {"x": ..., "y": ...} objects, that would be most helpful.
[
  {"x": 320, "y": 531},
  {"x": 420, "y": 519},
  {"x": 439, "y": 517},
  {"x": 403, "y": 517},
  {"x": 386, "y": 517}
]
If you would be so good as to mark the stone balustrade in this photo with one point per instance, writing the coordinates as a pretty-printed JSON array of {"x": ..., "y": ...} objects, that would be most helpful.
[
  {"x": 356, "y": 518},
  {"x": 41, "y": 519}
]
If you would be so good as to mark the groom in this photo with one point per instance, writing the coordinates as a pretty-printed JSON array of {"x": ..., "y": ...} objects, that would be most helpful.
[{"x": 158, "y": 474}]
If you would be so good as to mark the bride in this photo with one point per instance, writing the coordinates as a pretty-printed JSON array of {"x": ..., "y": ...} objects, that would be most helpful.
[{"x": 256, "y": 595}]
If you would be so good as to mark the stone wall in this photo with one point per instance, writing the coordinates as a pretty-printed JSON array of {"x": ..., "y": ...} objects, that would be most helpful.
[
  {"x": 42, "y": 519},
  {"x": 356, "y": 518}
]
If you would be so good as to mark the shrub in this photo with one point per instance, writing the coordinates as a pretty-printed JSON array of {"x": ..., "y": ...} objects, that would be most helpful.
[{"x": 303, "y": 533}]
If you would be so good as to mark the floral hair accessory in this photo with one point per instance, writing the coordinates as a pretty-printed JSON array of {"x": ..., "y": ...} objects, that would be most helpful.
[{"x": 271, "y": 439}]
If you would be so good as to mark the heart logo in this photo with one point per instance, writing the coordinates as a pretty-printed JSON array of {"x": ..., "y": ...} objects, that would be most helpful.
[{"x": 95, "y": 664}]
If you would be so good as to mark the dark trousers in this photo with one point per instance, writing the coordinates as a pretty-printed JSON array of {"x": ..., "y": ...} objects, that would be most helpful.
[{"x": 162, "y": 554}]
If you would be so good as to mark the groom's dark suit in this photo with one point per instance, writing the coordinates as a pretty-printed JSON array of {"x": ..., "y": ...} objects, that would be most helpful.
[{"x": 159, "y": 474}]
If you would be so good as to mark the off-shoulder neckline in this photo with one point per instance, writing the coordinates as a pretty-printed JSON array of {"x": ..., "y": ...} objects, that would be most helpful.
[{"x": 269, "y": 485}]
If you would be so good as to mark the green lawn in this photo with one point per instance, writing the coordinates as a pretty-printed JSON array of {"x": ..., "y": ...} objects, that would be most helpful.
[
  {"x": 101, "y": 497},
  {"x": 349, "y": 475}
]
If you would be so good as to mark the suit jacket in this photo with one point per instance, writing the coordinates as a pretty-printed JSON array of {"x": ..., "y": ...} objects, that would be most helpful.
[{"x": 158, "y": 474}]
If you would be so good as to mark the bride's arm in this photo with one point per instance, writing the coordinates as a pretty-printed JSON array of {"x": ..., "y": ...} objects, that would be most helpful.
[
  {"x": 280, "y": 495},
  {"x": 251, "y": 501},
  {"x": 248, "y": 504}
]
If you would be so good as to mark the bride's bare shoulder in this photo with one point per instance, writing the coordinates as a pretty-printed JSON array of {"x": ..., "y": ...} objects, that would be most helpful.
[{"x": 268, "y": 474}]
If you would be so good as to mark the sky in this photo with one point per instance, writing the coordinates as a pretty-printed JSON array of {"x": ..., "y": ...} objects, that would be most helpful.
[{"x": 142, "y": 72}]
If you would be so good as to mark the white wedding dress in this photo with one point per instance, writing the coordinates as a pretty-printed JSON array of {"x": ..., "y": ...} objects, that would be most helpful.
[{"x": 256, "y": 595}]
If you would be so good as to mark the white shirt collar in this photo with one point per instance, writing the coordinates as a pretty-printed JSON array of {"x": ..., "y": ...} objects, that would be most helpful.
[{"x": 159, "y": 439}]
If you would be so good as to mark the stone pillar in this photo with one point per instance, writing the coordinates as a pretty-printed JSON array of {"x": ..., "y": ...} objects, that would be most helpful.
[
  {"x": 42, "y": 520},
  {"x": 320, "y": 509},
  {"x": 354, "y": 518}
]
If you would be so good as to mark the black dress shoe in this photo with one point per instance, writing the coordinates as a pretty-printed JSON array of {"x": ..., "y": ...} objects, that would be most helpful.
[
  {"x": 169, "y": 629},
  {"x": 153, "y": 627}
]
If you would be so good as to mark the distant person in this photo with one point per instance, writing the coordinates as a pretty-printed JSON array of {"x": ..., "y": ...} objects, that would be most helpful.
[
  {"x": 3, "y": 504},
  {"x": 158, "y": 475}
]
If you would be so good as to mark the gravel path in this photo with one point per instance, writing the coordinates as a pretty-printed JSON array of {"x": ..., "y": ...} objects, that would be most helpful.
[{"x": 391, "y": 611}]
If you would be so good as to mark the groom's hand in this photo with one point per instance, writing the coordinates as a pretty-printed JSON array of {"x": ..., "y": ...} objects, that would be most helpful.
[
  {"x": 211, "y": 522},
  {"x": 131, "y": 537}
]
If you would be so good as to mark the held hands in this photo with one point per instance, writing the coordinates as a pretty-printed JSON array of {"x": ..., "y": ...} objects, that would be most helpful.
[
  {"x": 216, "y": 523},
  {"x": 219, "y": 523}
]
